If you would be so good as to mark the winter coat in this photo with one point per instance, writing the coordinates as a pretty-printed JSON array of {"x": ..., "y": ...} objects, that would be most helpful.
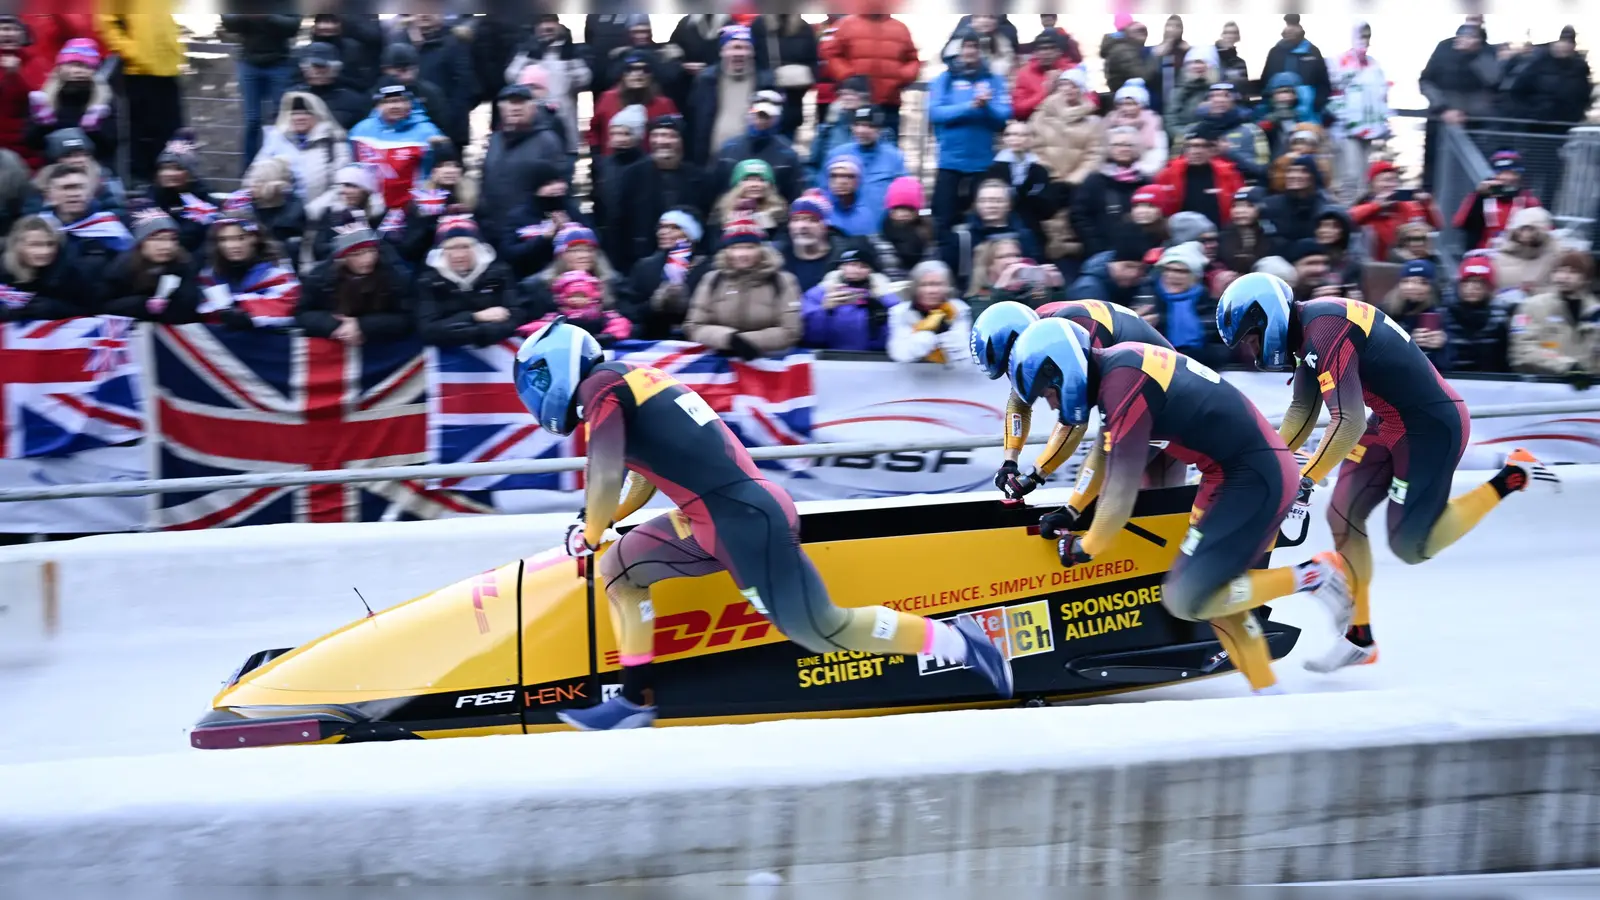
[
  {"x": 879, "y": 47},
  {"x": 862, "y": 326},
  {"x": 666, "y": 67},
  {"x": 762, "y": 305},
  {"x": 1225, "y": 179},
  {"x": 1359, "y": 105},
  {"x": 1482, "y": 219},
  {"x": 1477, "y": 334},
  {"x": 1070, "y": 140},
  {"x": 1186, "y": 318},
  {"x": 611, "y": 103},
  {"x": 263, "y": 40},
  {"x": 1125, "y": 59},
  {"x": 1305, "y": 60},
  {"x": 1409, "y": 316},
  {"x": 15, "y": 114},
  {"x": 880, "y": 165},
  {"x": 1520, "y": 264},
  {"x": 933, "y": 336},
  {"x": 447, "y": 301},
  {"x": 1242, "y": 142},
  {"x": 605, "y": 38},
  {"x": 654, "y": 302},
  {"x": 1228, "y": 64},
  {"x": 652, "y": 191},
  {"x": 347, "y": 107},
  {"x": 1154, "y": 148},
  {"x": 527, "y": 241},
  {"x": 145, "y": 34},
  {"x": 567, "y": 74},
  {"x": 964, "y": 130},
  {"x": 1553, "y": 90},
  {"x": 1184, "y": 106},
  {"x": 1034, "y": 198},
  {"x": 700, "y": 116},
  {"x": 495, "y": 39},
  {"x": 403, "y": 152},
  {"x": 122, "y": 296},
  {"x": 1099, "y": 205},
  {"x": 1457, "y": 80},
  {"x": 1034, "y": 83},
  {"x": 1242, "y": 258},
  {"x": 1163, "y": 75},
  {"x": 1294, "y": 216},
  {"x": 324, "y": 211},
  {"x": 856, "y": 219},
  {"x": 510, "y": 168},
  {"x": 319, "y": 299},
  {"x": 49, "y": 34},
  {"x": 959, "y": 244},
  {"x": 791, "y": 54},
  {"x": 446, "y": 63},
  {"x": 94, "y": 112},
  {"x": 59, "y": 291},
  {"x": 95, "y": 238},
  {"x": 262, "y": 294},
  {"x": 1380, "y": 223},
  {"x": 835, "y": 135},
  {"x": 315, "y": 158},
  {"x": 772, "y": 148},
  {"x": 1548, "y": 339},
  {"x": 1095, "y": 283}
]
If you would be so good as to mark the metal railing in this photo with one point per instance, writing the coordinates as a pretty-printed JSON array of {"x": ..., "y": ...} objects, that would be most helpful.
[{"x": 572, "y": 464}]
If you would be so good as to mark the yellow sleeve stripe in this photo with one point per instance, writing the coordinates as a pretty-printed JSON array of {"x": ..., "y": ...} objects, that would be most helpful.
[{"x": 1160, "y": 364}]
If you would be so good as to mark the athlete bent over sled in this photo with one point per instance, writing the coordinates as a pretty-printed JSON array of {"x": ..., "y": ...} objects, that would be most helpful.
[
  {"x": 1347, "y": 353},
  {"x": 729, "y": 517},
  {"x": 1248, "y": 477},
  {"x": 995, "y": 332}
]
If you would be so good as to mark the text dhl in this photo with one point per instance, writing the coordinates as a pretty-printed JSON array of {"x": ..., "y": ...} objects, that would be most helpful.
[
  {"x": 849, "y": 665},
  {"x": 738, "y": 623},
  {"x": 1103, "y": 615}
]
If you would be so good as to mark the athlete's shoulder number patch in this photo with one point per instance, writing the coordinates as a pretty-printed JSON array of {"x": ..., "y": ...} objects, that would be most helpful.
[
  {"x": 646, "y": 382},
  {"x": 1201, "y": 369},
  {"x": 697, "y": 408}
]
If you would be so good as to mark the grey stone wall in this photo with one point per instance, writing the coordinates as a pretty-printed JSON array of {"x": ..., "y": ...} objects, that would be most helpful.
[{"x": 212, "y": 106}]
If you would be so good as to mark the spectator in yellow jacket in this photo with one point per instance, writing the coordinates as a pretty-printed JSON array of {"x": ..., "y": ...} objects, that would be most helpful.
[{"x": 144, "y": 35}]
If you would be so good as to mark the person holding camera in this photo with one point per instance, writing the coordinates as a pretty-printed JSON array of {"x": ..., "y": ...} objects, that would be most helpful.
[
  {"x": 1386, "y": 207},
  {"x": 1487, "y": 212}
]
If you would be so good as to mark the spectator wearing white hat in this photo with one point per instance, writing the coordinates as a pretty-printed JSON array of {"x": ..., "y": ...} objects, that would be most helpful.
[
  {"x": 1131, "y": 109},
  {"x": 763, "y": 139}
]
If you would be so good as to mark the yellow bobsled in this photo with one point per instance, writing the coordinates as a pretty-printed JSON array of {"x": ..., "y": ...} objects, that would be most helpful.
[{"x": 503, "y": 651}]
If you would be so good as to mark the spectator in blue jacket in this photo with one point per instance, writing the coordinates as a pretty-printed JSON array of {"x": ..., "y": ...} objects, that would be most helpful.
[
  {"x": 1116, "y": 275},
  {"x": 968, "y": 106},
  {"x": 852, "y": 214},
  {"x": 880, "y": 161},
  {"x": 849, "y": 310}
]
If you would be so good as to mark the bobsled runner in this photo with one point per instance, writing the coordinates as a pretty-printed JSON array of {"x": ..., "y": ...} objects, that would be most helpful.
[{"x": 503, "y": 651}]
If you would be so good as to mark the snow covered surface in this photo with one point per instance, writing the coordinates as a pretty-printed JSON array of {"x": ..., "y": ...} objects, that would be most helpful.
[{"x": 1493, "y": 639}]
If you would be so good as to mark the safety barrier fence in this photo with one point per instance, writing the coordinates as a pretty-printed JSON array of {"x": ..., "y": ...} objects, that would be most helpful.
[{"x": 572, "y": 464}]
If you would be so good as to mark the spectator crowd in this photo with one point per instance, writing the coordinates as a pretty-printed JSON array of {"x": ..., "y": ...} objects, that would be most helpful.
[{"x": 714, "y": 214}]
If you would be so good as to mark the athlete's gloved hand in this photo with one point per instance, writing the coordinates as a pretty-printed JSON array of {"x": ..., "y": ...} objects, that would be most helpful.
[
  {"x": 577, "y": 544},
  {"x": 1013, "y": 484},
  {"x": 1070, "y": 548},
  {"x": 1302, "y": 502},
  {"x": 1058, "y": 524}
]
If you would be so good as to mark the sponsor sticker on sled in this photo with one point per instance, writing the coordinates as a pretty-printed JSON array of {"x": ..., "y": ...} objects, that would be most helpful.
[{"x": 1020, "y": 630}]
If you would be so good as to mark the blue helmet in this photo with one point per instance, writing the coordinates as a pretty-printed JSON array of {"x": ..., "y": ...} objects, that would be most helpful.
[
  {"x": 1258, "y": 302},
  {"x": 549, "y": 367},
  {"x": 995, "y": 330},
  {"x": 1054, "y": 353}
]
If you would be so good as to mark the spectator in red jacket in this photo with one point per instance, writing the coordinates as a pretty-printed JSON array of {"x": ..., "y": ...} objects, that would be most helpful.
[
  {"x": 1487, "y": 212},
  {"x": 637, "y": 87},
  {"x": 1380, "y": 216},
  {"x": 49, "y": 33},
  {"x": 1200, "y": 180},
  {"x": 1035, "y": 79},
  {"x": 827, "y": 88},
  {"x": 879, "y": 47},
  {"x": 14, "y": 91}
]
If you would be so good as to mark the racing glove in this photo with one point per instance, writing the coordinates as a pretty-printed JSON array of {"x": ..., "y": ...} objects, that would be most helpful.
[
  {"x": 577, "y": 545},
  {"x": 1070, "y": 548},
  {"x": 1302, "y": 501},
  {"x": 1013, "y": 484},
  {"x": 1058, "y": 524}
]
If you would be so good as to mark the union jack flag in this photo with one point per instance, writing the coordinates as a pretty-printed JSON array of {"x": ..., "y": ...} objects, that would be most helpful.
[
  {"x": 477, "y": 417},
  {"x": 67, "y": 386},
  {"x": 234, "y": 403}
]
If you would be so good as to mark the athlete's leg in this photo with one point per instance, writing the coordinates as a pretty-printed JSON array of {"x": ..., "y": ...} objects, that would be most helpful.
[
  {"x": 753, "y": 528},
  {"x": 1236, "y": 520},
  {"x": 657, "y": 550},
  {"x": 1423, "y": 519}
]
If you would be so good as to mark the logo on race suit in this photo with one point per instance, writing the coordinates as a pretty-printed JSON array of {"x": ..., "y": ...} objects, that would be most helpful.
[
  {"x": 1397, "y": 491},
  {"x": 1020, "y": 630},
  {"x": 1190, "y": 542}
]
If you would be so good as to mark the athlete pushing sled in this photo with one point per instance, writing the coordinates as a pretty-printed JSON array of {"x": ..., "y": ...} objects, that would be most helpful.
[
  {"x": 1248, "y": 478},
  {"x": 664, "y": 435},
  {"x": 1349, "y": 354}
]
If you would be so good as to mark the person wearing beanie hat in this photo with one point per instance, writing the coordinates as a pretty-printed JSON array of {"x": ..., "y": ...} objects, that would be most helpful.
[
  {"x": 1557, "y": 331},
  {"x": 581, "y": 298},
  {"x": 1181, "y": 303},
  {"x": 346, "y": 90},
  {"x": 399, "y": 138},
  {"x": 246, "y": 282},
  {"x": 466, "y": 296},
  {"x": 1116, "y": 275},
  {"x": 850, "y": 309},
  {"x": 1248, "y": 237},
  {"x": 751, "y": 194},
  {"x": 746, "y": 306},
  {"x": 1131, "y": 109},
  {"x": 854, "y": 215},
  {"x": 575, "y": 235},
  {"x": 363, "y": 294},
  {"x": 74, "y": 97},
  {"x": 637, "y": 85},
  {"x": 1415, "y": 305},
  {"x": 969, "y": 104},
  {"x": 813, "y": 203},
  {"x": 1187, "y": 227},
  {"x": 354, "y": 192},
  {"x": 1476, "y": 321},
  {"x": 71, "y": 147},
  {"x": 156, "y": 280},
  {"x": 624, "y": 148},
  {"x": 1035, "y": 79},
  {"x": 1293, "y": 214},
  {"x": 656, "y": 296},
  {"x": 1384, "y": 210}
]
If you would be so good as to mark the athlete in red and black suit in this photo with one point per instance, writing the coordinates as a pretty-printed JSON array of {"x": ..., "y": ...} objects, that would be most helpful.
[
  {"x": 642, "y": 421},
  {"x": 1351, "y": 355},
  {"x": 1248, "y": 477}
]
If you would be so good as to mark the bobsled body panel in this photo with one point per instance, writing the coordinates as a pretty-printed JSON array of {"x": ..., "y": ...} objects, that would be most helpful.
[{"x": 504, "y": 651}]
